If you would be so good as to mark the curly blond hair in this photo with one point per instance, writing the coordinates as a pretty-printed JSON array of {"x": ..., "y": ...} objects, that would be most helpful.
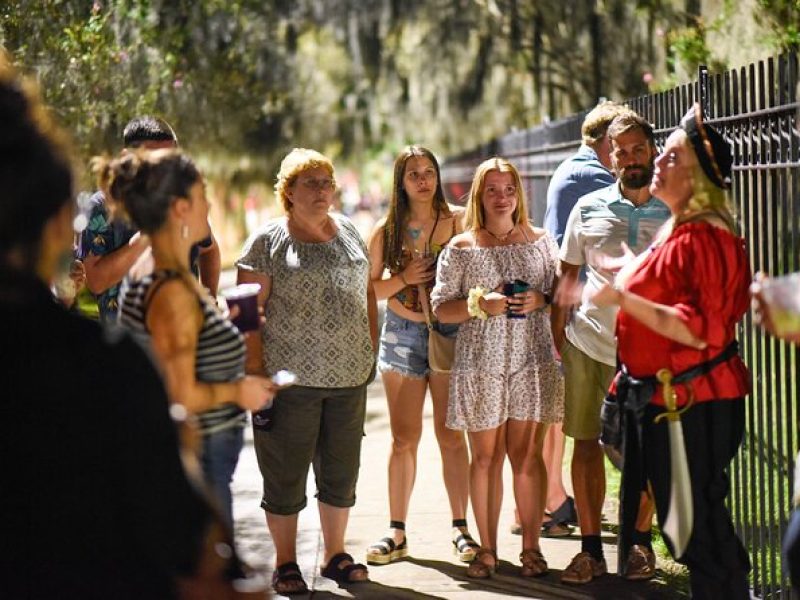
[{"x": 294, "y": 163}]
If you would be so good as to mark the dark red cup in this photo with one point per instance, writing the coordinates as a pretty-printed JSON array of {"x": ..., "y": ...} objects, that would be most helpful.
[{"x": 245, "y": 297}]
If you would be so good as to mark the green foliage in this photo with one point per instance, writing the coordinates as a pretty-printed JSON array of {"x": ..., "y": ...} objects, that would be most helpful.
[
  {"x": 243, "y": 81},
  {"x": 251, "y": 78},
  {"x": 688, "y": 45},
  {"x": 783, "y": 18}
]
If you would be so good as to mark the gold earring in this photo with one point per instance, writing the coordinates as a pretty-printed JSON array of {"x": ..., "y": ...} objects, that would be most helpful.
[{"x": 184, "y": 231}]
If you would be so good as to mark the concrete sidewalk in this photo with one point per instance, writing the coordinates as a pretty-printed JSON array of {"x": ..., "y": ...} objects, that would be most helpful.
[{"x": 431, "y": 570}]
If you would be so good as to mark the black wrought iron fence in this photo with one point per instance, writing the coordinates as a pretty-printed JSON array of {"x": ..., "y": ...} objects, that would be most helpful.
[{"x": 756, "y": 108}]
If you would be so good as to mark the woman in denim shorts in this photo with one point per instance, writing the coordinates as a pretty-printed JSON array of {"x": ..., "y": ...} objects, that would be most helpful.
[{"x": 406, "y": 243}]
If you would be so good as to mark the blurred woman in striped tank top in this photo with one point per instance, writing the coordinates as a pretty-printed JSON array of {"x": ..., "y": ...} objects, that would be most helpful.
[{"x": 200, "y": 351}]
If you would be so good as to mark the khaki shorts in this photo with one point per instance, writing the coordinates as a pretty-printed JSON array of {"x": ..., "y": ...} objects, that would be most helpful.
[
  {"x": 586, "y": 383},
  {"x": 319, "y": 427}
]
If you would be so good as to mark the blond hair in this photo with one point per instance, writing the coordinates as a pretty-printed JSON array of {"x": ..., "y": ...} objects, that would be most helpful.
[
  {"x": 474, "y": 212},
  {"x": 596, "y": 122},
  {"x": 708, "y": 201},
  {"x": 294, "y": 163}
]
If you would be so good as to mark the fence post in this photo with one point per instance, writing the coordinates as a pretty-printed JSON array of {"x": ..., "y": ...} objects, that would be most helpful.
[{"x": 702, "y": 88}]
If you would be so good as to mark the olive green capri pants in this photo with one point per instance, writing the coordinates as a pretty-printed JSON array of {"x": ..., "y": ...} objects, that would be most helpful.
[{"x": 319, "y": 426}]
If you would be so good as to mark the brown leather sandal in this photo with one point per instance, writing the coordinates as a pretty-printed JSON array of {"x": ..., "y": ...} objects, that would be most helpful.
[
  {"x": 478, "y": 569},
  {"x": 533, "y": 563}
]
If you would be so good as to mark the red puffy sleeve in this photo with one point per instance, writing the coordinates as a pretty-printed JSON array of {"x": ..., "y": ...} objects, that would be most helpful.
[
  {"x": 709, "y": 271},
  {"x": 703, "y": 272}
]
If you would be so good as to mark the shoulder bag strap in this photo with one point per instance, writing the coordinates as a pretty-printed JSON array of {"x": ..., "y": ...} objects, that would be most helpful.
[{"x": 426, "y": 309}]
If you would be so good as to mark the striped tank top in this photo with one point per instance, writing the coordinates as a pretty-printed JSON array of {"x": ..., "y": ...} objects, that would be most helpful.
[{"x": 220, "y": 352}]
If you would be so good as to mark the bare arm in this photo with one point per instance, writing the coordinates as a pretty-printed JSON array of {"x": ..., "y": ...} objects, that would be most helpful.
[
  {"x": 174, "y": 320},
  {"x": 661, "y": 318},
  {"x": 453, "y": 311},
  {"x": 107, "y": 270},
  {"x": 562, "y": 318},
  {"x": 566, "y": 296},
  {"x": 383, "y": 288},
  {"x": 253, "y": 341},
  {"x": 209, "y": 262},
  {"x": 372, "y": 314}
]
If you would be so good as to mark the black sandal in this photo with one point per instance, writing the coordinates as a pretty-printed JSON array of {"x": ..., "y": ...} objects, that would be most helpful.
[
  {"x": 464, "y": 545},
  {"x": 556, "y": 529},
  {"x": 386, "y": 550},
  {"x": 286, "y": 574},
  {"x": 341, "y": 574},
  {"x": 565, "y": 513},
  {"x": 561, "y": 520}
]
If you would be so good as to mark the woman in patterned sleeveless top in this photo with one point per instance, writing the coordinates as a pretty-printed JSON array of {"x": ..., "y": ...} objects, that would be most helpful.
[
  {"x": 406, "y": 243},
  {"x": 321, "y": 324},
  {"x": 200, "y": 351}
]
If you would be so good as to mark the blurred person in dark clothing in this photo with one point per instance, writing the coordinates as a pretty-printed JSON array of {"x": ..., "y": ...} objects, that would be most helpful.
[{"x": 95, "y": 498}]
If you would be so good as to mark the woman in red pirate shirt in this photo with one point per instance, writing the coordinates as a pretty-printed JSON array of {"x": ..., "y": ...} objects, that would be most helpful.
[{"x": 680, "y": 303}]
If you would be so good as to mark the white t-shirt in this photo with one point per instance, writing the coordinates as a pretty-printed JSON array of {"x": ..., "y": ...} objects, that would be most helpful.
[{"x": 601, "y": 221}]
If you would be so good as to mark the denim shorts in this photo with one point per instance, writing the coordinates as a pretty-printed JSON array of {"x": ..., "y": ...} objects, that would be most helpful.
[{"x": 404, "y": 345}]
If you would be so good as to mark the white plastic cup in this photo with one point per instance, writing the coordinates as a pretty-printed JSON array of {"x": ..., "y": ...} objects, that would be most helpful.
[
  {"x": 782, "y": 296},
  {"x": 65, "y": 289},
  {"x": 244, "y": 296}
]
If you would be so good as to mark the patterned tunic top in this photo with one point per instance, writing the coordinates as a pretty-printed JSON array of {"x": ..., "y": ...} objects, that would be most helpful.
[
  {"x": 220, "y": 353},
  {"x": 316, "y": 315},
  {"x": 503, "y": 368}
]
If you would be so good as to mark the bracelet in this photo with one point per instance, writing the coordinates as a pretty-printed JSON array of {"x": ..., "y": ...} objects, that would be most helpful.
[{"x": 474, "y": 303}]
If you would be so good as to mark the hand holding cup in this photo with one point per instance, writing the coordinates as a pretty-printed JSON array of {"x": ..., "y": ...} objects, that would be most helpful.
[
  {"x": 776, "y": 305},
  {"x": 524, "y": 303},
  {"x": 494, "y": 303},
  {"x": 519, "y": 298},
  {"x": 255, "y": 392},
  {"x": 242, "y": 303}
]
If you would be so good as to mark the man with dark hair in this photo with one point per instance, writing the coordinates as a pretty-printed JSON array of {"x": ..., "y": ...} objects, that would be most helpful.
[
  {"x": 585, "y": 171},
  {"x": 600, "y": 225},
  {"x": 110, "y": 246},
  {"x": 144, "y": 130}
]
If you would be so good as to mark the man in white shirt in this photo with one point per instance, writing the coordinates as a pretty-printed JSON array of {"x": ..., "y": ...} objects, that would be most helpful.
[{"x": 601, "y": 224}]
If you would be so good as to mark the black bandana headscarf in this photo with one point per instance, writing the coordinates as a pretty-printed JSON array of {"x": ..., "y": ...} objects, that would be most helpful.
[{"x": 713, "y": 152}]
